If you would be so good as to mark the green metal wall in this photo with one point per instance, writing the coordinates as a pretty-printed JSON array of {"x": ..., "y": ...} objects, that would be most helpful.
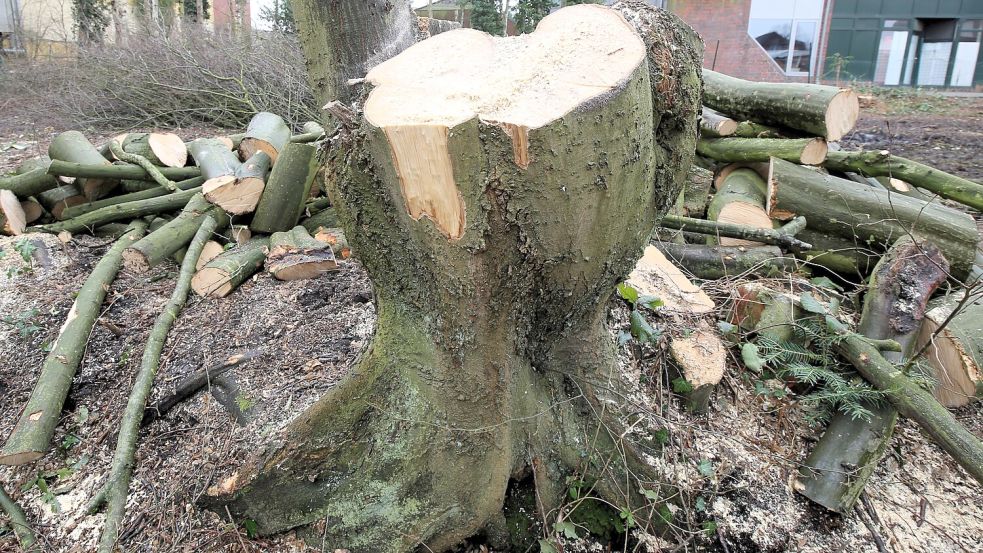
[{"x": 855, "y": 30}]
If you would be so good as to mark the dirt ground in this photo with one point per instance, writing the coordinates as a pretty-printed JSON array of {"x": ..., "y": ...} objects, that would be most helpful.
[{"x": 738, "y": 461}]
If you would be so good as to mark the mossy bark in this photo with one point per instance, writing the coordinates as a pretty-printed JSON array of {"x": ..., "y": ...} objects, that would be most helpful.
[{"x": 491, "y": 357}]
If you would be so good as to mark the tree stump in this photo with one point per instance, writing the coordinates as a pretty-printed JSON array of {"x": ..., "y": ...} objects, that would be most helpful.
[{"x": 495, "y": 197}]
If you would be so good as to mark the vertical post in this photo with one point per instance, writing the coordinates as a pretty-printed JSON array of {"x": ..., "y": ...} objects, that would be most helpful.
[{"x": 505, "y": 19}]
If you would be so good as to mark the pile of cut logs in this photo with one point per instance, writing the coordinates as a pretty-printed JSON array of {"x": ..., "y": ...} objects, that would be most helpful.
[
  {"x": 772, "y": 195},
  {"x": 262, "y": 187}
]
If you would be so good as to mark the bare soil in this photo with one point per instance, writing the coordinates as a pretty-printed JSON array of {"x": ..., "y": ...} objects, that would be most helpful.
[{"x": 734, "y": 465}]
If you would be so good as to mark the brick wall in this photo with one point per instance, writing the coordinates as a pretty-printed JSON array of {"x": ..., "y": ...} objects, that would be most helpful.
[{"x": 729, "y": 48}]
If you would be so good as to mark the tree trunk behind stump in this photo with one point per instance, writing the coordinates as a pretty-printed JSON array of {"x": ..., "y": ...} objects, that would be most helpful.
[{"x": 491, "y": 358}]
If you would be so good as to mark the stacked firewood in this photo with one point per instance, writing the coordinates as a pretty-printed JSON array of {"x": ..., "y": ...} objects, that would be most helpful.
[
  {"x": 262, "y": 187},
  {"x": 773, "y": 195}
]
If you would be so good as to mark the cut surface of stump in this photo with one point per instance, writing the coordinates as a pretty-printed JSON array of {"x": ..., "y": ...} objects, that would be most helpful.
[
  {"x": 13, "y": 220},
  {"x": 655, "y": 275},
  {"x": 495, "y": 198},
  {"x": 518, "y": 83}
]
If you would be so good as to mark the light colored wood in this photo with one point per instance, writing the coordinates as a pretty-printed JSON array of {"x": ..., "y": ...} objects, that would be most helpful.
[
  {"x": 169, "y": 149},
  {"x": 210, "y": 251},
  {"x": 12, "y": 218},
  {"x": 655, "y": 275},
  {"x": 955, "y": 351}
]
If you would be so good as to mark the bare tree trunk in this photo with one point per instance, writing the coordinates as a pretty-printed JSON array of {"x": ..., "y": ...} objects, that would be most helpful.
[{"x": 200, "y": 12}]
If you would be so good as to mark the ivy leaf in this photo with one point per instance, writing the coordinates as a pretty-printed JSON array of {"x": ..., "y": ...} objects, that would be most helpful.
[
  {"x": 726, "y": 328},
  {"x": 628, "y": 517},
  {"x": 641, "y": 329},
  {"x": 752, "y": 359},
  {"x": 681, "y": 386},
  {"x": 701, "y": 504},
  {"x": 662, "y": 436},
  {"x": 651, "y": 495},
  {"x": 825, "y": 282},
  {"x": 811, "y": 304},
  {"x": 650, "y": 302},
  {"x": 628, "y": 293},
  {"x": 252, "y": 529},
  {"x": 545, "y": 546},
  {"x": 568, "y": 529},
  {"x": 705, "y": 468}
]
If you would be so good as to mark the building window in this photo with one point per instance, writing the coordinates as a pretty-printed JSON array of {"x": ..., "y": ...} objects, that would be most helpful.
[{"x": 787, "y": 31}]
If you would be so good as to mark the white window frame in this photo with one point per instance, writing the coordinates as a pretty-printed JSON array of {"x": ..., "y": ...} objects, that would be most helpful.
[{"x": 787, "y": 70}]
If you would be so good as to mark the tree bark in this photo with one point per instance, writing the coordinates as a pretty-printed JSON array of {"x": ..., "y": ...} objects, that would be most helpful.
[
  {"x": 267, "y": 132},
  {"x": 58, "y": 199},
  {"x": 104, "y": 171},
  {"x": 220, "y": 276},
  {"x": 287, "y": 189},
  {"x": 239, "y": 194},
  {"x": 174, "y": 235},
  {"x": 870, "y": 216},
  {"x": 804, "y": 151},
  {"x": 31, "y": 437},
  {"x": 313, "y": 131},
  {"x": 750, "y": 129},
  {"x": 117, "y": 149},
  {"x": 73, "y": 147},
  {"x": 153, "y": 192},
  {"x": 213, "y": 157},
  {"x": 824, "y": 111},
  {"x": 774, "y": 237},
  {"x": 837, "y": 469},
  {"x": 162, "y": 149},
  {"x": 18, "y": 521},
  {"x": 883, "y": 164},
  {"x": 715, "y": 125},
  {"x": 122, "y": 212},
  {"x": 30, "y": 179},
  {"x": 713, "y": 262},
  {"x": 360, "y": 35},
  {"x": 847, "y": 257},
  {"x": 475, "y": 373},
  {"x": 294, "y": 255},
  {"x": 696, "y": 192}
]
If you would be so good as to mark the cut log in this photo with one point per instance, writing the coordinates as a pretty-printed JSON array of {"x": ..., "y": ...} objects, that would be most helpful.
[
  {"x": 130, "y": 186},
  {"x": 713, "y": 124},
  {"x": 765, "y": 310},
  {"x": 911, "y": 400},
  {"x": 163, "y": 149},
  {"x": 33, "y": 210},
  {"x": 701, "y": 359},
  {"x": 294, "y": 255},
  {"x": 116, "y": 489},
  {"x": 750, "y": 129},
  {"x": 59, "y": 199},
  {"x": 73, "y": 147},
  {"x": 172, "y": 236},
  {"x": 239, "y": 194},
  {"x": 117, "y": 149},
  {"x": 458, "y": 268},
  {"x": 883, "y": 164},
  {"x": 713, "y": 262},
  {"x": 824, "y": 111},
  {"x": 721, "y": 173},
  {"x": 751, "y": 235},
  {"x": 956, "y": 352},
  {"x": 267, "y": 132},
  {"x": 237, "y": 234},
  {"x": 30, "y": 178},
  {"x": 656, "y": 276},
  {"x": 122, "y": 212},
  {"x": 696, "y": 192},
  {"x": 837, "y": 469},
  {"x": 313, "y": 131},
  {"x": 740, "y": 200},
  {"x": 18, "y": 522},
  {"x": 226, "y": 272},
  {"x": 117, "y": 172},
  {"x": 326, "y": 218},
  {"x": 334, "y": 237},
  {"x": 13, "y": 220},
  {"x": 213, "y": 157},
  {"x": 31, "y": 436},
  {"x": 840, "y": 207},
  {"x": 287, "y": 189},
  {"x": 804, "y": 151},
  {"x": 154, "y": 191},
  {"x": 837, "y": 254}
]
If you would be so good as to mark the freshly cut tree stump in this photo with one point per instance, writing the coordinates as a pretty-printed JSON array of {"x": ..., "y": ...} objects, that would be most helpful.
[
  {"x": 458, "y": 168},
  {"x": 163, "y": 149},
  {"x": 804, "y": 151},
  {"x": 30, "y": 178},
  {"x": 713, "y": 124},
  {"x": 57, "y": 200},
  {"x": 267, "y": 132},
  {"x": 172, "y": 236},
  {"x": 740, "y": 200},
  {"x": 13, "y": 220},
  {"x": 287, "y": 189},
  {"x": 956, "y": 352},
  {"x": 223, "y": 274},
  {"x": 656, "y": 276},
  {"x": 239, "y": 194},
  {"x": 701, "y": 359},
  {"x": 294, "y": 255},
  {"x": 870, "y": 216},
  {"x": 837, "y": 469},
  {"x": 31, "y": 437},
  {"x": 825, "y": 111},
  {"x": 73, "y": 147}
]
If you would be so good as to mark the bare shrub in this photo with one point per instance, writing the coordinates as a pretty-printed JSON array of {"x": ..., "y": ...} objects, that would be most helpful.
[{"x": 193, "y": 78}]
